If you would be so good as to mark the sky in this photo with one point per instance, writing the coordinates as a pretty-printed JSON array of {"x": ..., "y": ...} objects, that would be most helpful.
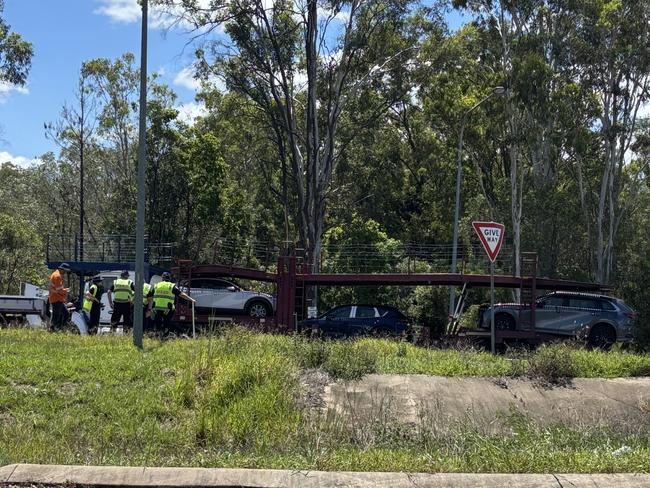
[{"x": 65, "y": 33}]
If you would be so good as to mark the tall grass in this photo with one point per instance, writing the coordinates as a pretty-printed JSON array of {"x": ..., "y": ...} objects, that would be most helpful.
[{"x": 232, "y": 400}]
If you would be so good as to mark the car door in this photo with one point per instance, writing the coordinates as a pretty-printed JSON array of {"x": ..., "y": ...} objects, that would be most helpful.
[
  {"x": 363, "y": 320},
  {"x": 580, "y": 313},
  {"x": 336, "y": 321},
  {"x": 232, "y": 296},
  {"x": 549, "y": 313},
  {"x": 209, "y": 294}
]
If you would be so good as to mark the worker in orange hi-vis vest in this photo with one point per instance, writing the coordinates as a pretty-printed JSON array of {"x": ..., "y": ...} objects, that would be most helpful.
[{"x": 57, "y": 297}]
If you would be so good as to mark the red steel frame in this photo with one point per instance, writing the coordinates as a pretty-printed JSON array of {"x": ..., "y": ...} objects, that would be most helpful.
[{"x": 292, "y": 275}]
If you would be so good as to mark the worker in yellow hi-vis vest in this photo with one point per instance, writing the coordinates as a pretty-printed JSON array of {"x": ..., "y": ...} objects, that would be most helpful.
[
  {"x": 92, "y": 306},
  {"x": 146, "y": 308},
  {"x": 163, "y": 298},
  {"x": 120, "y": 298}
]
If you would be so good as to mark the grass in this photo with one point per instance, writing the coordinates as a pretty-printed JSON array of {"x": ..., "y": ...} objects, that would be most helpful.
[{"x": 233, "y": 401}]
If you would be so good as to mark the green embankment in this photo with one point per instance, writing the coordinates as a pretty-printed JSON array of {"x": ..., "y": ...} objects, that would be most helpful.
[{"x": 235, "y": 401}]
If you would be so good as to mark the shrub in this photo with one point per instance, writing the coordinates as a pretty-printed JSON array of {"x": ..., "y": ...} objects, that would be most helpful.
[
  {"x": 350, "y": 360},
  {"x": 552, "y": 363}
]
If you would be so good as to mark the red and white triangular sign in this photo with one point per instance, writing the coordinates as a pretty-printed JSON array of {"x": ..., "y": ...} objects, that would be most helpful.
[{"x": 491, "y": 235}]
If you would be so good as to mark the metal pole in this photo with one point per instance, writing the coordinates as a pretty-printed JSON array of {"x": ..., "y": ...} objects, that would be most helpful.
[
  {"x": 498, "y": 90},
  {"x": 81, "y": 188},
  {"x": 459, "y": 173},
  {"x": 142, "y": 153},
  {"x": 492, "y": 331},
  {"x": 193, "y": 323}
]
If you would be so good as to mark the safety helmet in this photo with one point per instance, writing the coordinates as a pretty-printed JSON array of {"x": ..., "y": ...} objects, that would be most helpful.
[
  {"x": 124, "y": 274},
  {"x": 166, "y": 276}
]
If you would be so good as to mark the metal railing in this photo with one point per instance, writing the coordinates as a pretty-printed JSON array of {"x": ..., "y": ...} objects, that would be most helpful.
[
  {"x": 334, "y": 258},
  {"x": 114, "y": 248}
]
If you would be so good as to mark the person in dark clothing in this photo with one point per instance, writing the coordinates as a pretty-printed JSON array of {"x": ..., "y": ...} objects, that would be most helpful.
[
  {"x": 163, "y": 301},
  {"x": 120, "y": 298},
  {"x": 92, "y": 305}
]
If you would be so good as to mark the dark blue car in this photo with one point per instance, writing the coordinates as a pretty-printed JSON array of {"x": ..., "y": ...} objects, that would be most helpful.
[{"x": 353, "y": 320}]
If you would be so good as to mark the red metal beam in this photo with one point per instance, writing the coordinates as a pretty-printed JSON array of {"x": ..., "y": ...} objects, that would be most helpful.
[
  {"x": 394, "y": 279},
  {"x": 213, "y": 270},
  {"x": 444, "y": 279}
]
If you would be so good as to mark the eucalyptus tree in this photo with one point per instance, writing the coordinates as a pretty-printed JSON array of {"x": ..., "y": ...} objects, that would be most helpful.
[
  {"x": 612, "y": 49},
  {"x": 302, "y": 64},
  {"x": 15, "y": 54}
]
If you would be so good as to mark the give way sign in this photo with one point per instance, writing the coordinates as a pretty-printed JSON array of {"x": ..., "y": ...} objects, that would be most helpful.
[{"x": 491, "y": 235}]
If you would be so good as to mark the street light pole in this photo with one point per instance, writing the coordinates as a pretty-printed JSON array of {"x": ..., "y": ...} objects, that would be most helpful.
[
  {"x": 138, "y": 325},
  {"x": 497, "y": 90}
]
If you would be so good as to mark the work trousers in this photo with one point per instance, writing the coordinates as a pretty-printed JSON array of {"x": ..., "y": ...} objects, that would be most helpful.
[
  {"x": 163, "y": 320},
  {"x": 60, "y": 315},
  {"x": 92, "y": 318},
  {"x": 146, "y": 321},
  {"x": 121, "y": 310}
]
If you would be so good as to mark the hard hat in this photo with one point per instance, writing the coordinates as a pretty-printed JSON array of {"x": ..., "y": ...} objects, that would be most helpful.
[
  {"x": 166, "y": 276},
  {"x": 64, "y": 266},
  {"x": 125, "y": 273}
]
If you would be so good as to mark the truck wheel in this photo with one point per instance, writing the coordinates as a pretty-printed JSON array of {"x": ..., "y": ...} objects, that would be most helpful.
[
  {"x": 602, "y": 336},
  {"x": 503, "y": 321}
]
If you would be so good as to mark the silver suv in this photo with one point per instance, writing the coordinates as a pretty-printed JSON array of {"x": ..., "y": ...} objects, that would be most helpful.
[{"x": 599, "y": 319}]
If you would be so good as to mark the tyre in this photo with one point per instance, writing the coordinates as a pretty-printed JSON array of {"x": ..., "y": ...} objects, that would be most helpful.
[
  {"x": 602, "y": 336},
  {"x": 503, "y": 321},
  {"x": 258, "y": 309}
]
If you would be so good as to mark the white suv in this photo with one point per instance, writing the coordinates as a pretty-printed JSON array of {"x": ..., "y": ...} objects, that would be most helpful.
[{"x": 218, "y": 295}]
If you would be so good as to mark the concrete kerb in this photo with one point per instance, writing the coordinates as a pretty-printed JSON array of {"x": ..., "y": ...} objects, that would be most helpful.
[{"x": 108, "y": 476}]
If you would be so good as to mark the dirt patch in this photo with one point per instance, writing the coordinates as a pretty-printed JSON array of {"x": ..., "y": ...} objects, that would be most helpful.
[
  {"x": 67, "y": 389},
  {"x": 7, "y": 419},
  {"x": 312, "y": 388},
  {"x": 23, "y": 387},
  {"x": 621, "y": 403}
]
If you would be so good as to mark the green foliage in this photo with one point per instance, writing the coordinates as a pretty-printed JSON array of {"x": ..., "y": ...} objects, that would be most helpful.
[
  {"x": 552, "y": 363},
  {"x": 21, "y": 254},
  {"x": 15, "y": 54}
]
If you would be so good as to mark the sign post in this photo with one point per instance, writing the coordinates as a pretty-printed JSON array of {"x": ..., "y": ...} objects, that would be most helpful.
[{"x": 491, "y": 236}]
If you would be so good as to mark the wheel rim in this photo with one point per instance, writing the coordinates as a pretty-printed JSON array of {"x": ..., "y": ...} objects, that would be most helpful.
[
  {"x": 503, "y": 323},
  {"x": 258, "y": 310}
]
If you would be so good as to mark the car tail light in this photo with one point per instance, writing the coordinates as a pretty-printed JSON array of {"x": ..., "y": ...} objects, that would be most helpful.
[{"x": 631, "y": 315}]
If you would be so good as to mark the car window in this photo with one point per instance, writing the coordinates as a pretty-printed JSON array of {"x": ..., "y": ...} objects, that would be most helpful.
[
  {"x": 197, "y": 284},
  {"x": 555, "y": 301},
  {"x": 583, "y": 302},
  {"x": 365, "y": 312},
  {"x": 607, "y": 305},
  {"x": 215, "y": 284},
  {"x": 341, "y": 312}
]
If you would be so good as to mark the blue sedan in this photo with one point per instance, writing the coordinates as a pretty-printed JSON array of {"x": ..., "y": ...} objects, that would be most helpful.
[{"x": 353, "y": 320}]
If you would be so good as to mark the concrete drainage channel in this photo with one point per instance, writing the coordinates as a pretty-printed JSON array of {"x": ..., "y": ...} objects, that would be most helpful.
[{"x": 21, "y": 475}]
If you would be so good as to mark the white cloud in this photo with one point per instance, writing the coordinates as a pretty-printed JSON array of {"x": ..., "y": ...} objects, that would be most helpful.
[
  {"x": 6, "y": 89},
  {"x": 342, "y": 16},
  {"x": 188, "y": 112},
  {"x": 122, "y": 11},
  {"x": 185, "y": 78},
  {"x": 129, "y": 12},
  {"x": 19, "y": 161}
]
